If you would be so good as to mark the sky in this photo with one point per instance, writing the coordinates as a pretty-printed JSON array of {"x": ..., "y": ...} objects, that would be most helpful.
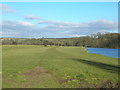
[{"x": 57, "y": 19}]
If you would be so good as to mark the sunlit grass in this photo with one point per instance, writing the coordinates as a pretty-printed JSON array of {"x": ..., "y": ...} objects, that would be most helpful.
[{"x": 66, "y": 67}]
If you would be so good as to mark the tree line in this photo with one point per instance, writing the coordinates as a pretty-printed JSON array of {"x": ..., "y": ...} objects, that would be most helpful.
[{"x": 99, "y": 40}]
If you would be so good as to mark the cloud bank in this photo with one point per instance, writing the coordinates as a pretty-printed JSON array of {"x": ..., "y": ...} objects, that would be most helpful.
[{"x": 55, "y": 29}]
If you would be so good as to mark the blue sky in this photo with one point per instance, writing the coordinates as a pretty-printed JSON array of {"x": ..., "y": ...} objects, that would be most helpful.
[{"x": 58, "y": 19}]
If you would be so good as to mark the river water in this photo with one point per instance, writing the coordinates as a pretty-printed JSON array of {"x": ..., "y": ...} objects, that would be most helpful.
[{"x": 105, "y": 51}]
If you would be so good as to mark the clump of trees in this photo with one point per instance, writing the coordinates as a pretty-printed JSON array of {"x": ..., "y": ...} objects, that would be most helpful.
[{"x": 99, "y": 40}]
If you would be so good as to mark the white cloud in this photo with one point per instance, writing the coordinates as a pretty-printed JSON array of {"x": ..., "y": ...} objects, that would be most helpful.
[
  {"x": 7, "y": 8},
  {"x": 96, "y": 24},
  {"x": 31, "y": 17},
  {"x": 25, "y": 23},
  {"x": 57, "y": 23},
  {"x": 57, "y": 29},
  {"x": 75, "y": 35},
  {"x": 0, "y": 34},
  {"x": 9, "y": 23}
]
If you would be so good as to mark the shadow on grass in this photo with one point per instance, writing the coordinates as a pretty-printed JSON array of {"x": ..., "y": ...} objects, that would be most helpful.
[{"x": 108, "y": 67}]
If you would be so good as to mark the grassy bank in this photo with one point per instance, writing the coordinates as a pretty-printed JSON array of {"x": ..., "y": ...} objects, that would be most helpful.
[{"x": 30, "y": 66}]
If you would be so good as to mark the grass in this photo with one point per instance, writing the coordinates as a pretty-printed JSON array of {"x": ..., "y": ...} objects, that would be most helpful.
[
  {"x": 0, "y": 66},
  {"x": 30, "y": 66}
]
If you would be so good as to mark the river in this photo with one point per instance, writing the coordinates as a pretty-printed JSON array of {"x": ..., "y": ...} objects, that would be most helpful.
[{"x": 105, "y": 51}]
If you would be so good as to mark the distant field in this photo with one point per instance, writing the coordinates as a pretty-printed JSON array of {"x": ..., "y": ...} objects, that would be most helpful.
[{"x": 34, "y": 66}]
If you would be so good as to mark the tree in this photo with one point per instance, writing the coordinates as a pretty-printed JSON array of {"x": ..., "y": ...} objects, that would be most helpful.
[{"x": 14, "y": 42}]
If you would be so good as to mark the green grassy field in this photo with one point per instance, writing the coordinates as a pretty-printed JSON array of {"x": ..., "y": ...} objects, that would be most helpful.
[{"x": 30, "y": 66}]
